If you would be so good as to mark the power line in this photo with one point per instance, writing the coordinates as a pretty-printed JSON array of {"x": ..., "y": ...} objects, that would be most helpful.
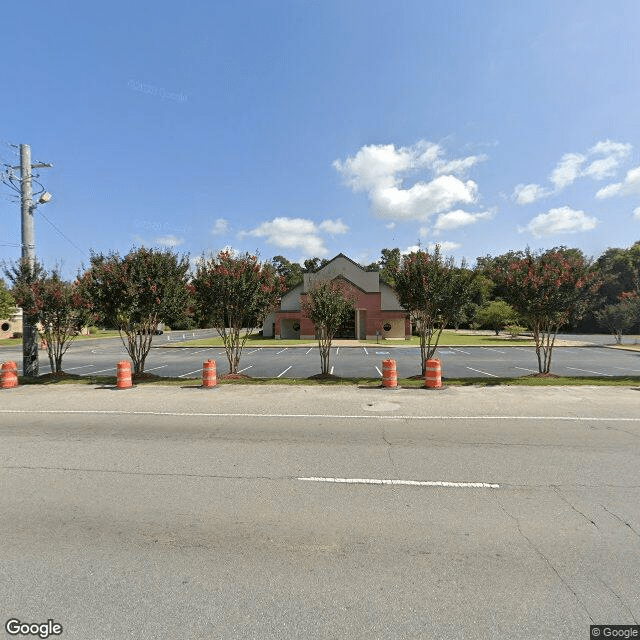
[{"x": 63, "y": 235}]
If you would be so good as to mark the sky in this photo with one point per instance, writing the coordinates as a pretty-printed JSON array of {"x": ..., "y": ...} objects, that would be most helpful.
[{"x": 312, "y": 127}]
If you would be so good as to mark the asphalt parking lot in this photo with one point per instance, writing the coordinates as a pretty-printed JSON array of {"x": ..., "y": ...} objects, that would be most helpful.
[{"x": 100, "y": 357}]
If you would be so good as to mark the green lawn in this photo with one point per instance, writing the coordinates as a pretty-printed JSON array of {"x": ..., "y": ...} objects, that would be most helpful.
[{"x": 8, "y": 342}]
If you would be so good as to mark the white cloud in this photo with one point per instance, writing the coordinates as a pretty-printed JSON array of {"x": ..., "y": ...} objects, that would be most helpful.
[
  {"x": 379, "y": 170},
  {"x": 298, "y": 233},
  {"x": 459, "y": 166},
  {"x": 220, "y": 226},
  {"x": 567, "y": 170},
  {"x": 560, "y": 220},
  {"x": 629, "y": 186},
  {"x": 168, "y": 241},
  {"x": 333, "y": 227},
  {"x": 460, "y": 218},
  {"x": 444, "y": 246},
  {"x": 412, "y": 249},
  {"x": 528, "y": 193},
  {"x": 636, "y": 213},
  {"x": 391, "y": 225},
  {"x": 601, "y": 161}
]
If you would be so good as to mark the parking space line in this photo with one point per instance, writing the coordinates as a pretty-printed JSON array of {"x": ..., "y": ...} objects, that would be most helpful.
[
  {"x": 331, "y": 372},
  {"x": 492, "y": 349},
  {"x": 486, "y": 373},
  {"x": 337, "y": 350},
  {"x": 84, "y": 366},
  {"x": 626, "y": 369},
  {"x": 460, "y": 350},
  {"x": 250, "y": 352},
  {"x": 283, "y": 350},
  {"x": 285, "y": 371},
  {"x": 599, "y": 373},
  {"x": 184, "y": 375},
  {"x": 249, "y": 367},
  {"x": 365, "y": 350},
  {"x": 154, "y": 368},
  {"x": 379, "y": 372},
  {"x": 311, "y": 349},
  {"x": 101, "y": 371},
  {"x": 523, "y": 369}
]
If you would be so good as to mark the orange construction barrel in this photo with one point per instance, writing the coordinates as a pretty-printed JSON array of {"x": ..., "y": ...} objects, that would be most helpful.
[
  {"x": 433, "y": 375},
  {"x": 9, "y": 376},
  {"x": 389, "y": 374},
  {"x": 124, "y": 375},
  {"x": 209, "y": 378}
]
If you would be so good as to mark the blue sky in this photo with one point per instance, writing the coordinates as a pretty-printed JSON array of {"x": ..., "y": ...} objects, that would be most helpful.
[{"x": 313, "y": 127}]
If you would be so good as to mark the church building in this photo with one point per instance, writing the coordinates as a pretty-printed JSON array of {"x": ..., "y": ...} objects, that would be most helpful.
[{"x": 377, "y": 309}]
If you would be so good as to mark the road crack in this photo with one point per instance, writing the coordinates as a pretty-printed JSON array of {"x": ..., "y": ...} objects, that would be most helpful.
[
  {"x": 546, "y": 560},
  {"x": 389, "y": 445},
  {"x": 566, "y": 501},
  {"x": 622, "y": 602},
  {"x": 617, "y": 517}
]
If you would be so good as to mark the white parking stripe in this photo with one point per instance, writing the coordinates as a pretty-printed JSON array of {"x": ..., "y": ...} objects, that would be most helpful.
[
  {"x": 411, "y": 483},
  {"x": 365, "y": 350},
  {"x": 101, "y": 371},
  {"x": 379, "y": 372},
  {"x": 283, "y": 350},
  {"x": 184, "y": 375},
  {"x": 311, "y": 349},
  {"x": 486, "y": 373},
  {"x": 460, "y": 350},
  {"x": 250, "y": 352},
  {"x": 492, "y": 349},
  {"x": 84, "y": 366},
  {"x": 523, "y": 369},
  {"x": 249, "y": 367},
  {"x": 331, "y": 372},
  {"x": 154, "y": 368},
  {"x": 285, "y": 371},
  {"x": 609, "y": 375},
  {"x": 337, "y": 350}
]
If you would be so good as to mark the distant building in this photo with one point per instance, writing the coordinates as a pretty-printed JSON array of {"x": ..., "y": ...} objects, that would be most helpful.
[
  {"x": 11, "y": 325},
  {"x": 377, "y": 309}
]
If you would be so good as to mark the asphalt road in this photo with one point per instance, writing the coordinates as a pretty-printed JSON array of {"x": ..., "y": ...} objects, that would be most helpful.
[
  {"x": 100, "y": 357},
  {"x": 186, "y": 513}
]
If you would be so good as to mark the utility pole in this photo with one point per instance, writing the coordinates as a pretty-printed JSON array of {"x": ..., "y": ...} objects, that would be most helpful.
[{"x": 30, "y": 364}]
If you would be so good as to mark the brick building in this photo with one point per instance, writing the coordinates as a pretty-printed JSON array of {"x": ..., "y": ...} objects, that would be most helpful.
[{"x": 377, "y": 312}]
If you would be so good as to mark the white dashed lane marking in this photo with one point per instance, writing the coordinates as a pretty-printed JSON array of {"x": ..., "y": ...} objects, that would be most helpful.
[{"x": 411, "y": 483}]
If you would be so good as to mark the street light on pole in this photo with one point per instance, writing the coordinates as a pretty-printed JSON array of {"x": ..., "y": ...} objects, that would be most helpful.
[{"x": 30, "y": 364}]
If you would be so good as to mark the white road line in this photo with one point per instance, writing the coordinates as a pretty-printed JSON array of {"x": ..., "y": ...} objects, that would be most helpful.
[
  {"x": 365, "y": 350},
  {"x": 626, "y": 369},
  {"x": 492, "y": 349},
  {"x": 184, "y": 375},
  {"x": 302, "y": 416},
  {"x": 101, "y": 371},
  {"x": 331, "y": 372},
  {"x": 524, "y": 369},
  {"x": 460, "y": 350},
  {"x": 411, "y": 483},
  {"x": 84, "y": 366},
  {"x": 283, "y": 350},
  {"x": 379, "y": 372},
  {"x": 285, "y": 371},
  {"x": 311, "y": 349},
  {"x": 154, "y": 368},
  {"x": 609, "y": 375},
  {"x": 486, "y": 373},
  {"x": 194, "y": 353},
  {"x": 245, "y": 369},
  {"x": 250, "y": 352},
  {"x": 337, "y": 350}
]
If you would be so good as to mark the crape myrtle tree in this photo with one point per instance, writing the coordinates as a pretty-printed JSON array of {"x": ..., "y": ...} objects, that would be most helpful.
[
  {"x": 58, "y": 307},
  {"x": 7, "y": 302},
  {"x": 548, "y": 290},
  {"x": 135, "y": 293},
  {"x": 234, "y": 293},
  {"x": 328, "y": 304},
  {"x": 434, "y": 291}
]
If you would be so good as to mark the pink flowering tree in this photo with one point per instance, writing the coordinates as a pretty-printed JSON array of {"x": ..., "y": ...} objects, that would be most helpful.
[
  {"x": 137, "y": 292},
  {"x": 234, "y": 294},
  {"x": 548, "y": 291},
  {"x": 58, "y": 307},
  {"x": 434, "y": 291}
]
